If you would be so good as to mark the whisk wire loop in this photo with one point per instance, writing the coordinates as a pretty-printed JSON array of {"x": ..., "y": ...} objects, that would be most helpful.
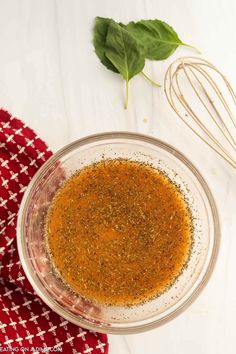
[{"x": 211, "y": 92}]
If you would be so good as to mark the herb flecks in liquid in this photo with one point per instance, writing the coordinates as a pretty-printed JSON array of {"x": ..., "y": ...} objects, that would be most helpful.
[{"x": 119, "y": 232}]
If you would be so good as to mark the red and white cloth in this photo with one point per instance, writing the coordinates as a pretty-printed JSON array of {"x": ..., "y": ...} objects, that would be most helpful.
[{"x": 25, "y": 321}]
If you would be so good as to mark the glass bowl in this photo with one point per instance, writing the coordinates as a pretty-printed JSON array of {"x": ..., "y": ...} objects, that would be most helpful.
[{"x": 114, "y": 319}]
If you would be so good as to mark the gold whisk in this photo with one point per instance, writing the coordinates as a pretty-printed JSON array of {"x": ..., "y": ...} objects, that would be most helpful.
[{"x": 203, "y": 98}]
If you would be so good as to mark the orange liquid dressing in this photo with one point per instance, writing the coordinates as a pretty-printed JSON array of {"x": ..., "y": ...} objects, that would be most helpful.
[{"x": 119, "y": 232}]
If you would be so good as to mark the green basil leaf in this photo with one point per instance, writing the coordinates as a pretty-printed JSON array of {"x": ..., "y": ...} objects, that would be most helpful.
[
  {"x": 125, "y": 53},
  {"x": 160, "y": 40},
  {"x": 99, "y": 41},
  {"x": 123, "y": 48}
]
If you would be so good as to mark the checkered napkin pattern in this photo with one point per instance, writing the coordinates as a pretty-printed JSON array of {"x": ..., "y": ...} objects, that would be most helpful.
[{"x": 25, "y": 321}]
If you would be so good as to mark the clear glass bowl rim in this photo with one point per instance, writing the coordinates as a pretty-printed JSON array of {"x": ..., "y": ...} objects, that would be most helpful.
[{"x": 21, "y": 244}]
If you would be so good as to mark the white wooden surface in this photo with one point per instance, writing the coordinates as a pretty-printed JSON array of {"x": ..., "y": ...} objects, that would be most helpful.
[{"x": 51, "y": 78}]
